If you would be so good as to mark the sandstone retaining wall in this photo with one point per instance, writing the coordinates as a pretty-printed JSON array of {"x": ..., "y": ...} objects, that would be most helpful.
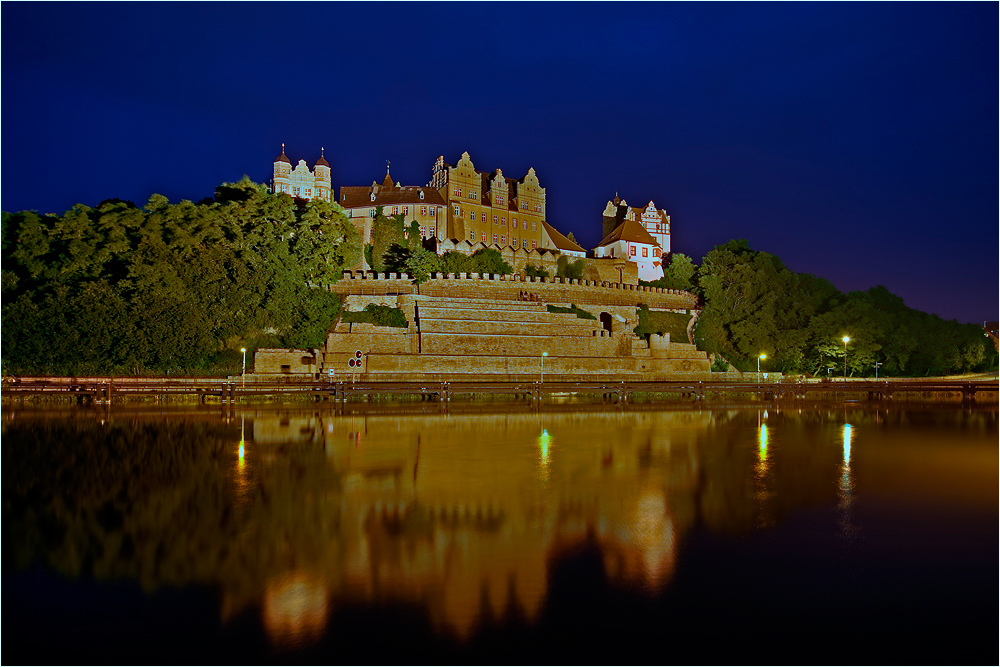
[{"x": 515, "y": 288}]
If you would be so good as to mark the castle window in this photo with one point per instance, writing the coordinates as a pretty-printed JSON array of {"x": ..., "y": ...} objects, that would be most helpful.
[
  {"x": 534, "y": 245},
  {"x": 645, "y": 252},
  {"x": 494, "y": 220},
  {"x": 484, "y": 217},
  {"x": 513, "y": 241},
  {"x": 503, "y": 221},
  {"x": 423, "y": 210},
  {"x": 515, "y": 223},
  {"x": 631, "y": 250},
  {"x": 434, "y": 211},
  {"x": 456, "y": 209},
  {"x": 534, "y": 226},
  {"x": 458, "y": 192},
  {"x": 295, "y": 190},
  {"x": 656, "y": 252},
  {"x": 395, "y": 210},
  {"x": 484, "y": 237},
  {"x": 525, "y": 241},
  {"x": 405, "y": 209},
  {"x": 472, "y": 236},
  {"x": 472, "y": 216}
]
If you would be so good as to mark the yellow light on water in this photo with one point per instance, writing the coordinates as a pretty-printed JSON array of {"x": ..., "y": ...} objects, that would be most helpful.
[
  {"x": 543, "y": 445},
  {"x": 763, "y": 442},
  {"x": 847, "y": 444},
  {"x": 241, "y": 463}
]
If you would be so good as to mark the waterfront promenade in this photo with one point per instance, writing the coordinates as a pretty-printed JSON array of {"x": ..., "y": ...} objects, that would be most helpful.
[{"x": 105, "y": 390}]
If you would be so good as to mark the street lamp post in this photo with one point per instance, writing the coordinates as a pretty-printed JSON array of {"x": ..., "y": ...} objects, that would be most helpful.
[
  {"x": 877, "y": 364},
  {"x": 544, "y": 354},
  {"x": 244, "y": 351},
  {"x": 845, "y": 339},
  {"x": 763, "y": 356}
]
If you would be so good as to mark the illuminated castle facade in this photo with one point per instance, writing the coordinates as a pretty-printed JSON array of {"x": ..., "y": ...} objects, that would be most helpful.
[{"x": 300, "y": 182}]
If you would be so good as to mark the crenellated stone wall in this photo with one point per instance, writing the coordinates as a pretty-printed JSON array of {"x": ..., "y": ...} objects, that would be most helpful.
[{"x": 517, "y": 288}]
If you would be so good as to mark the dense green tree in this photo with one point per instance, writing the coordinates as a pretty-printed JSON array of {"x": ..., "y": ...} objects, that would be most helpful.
[
  {"x": 418, "y": 262},
  {"x": 386, "y": 232},
  {"x": 678, "y": 273},
  {"x": 536, "y": 271},
  {"x": 170, "y": 287},
  {"x": 489, "y": 261},
  {"x": 754, "y": 305},
  {"x": 567, "y": 269}
]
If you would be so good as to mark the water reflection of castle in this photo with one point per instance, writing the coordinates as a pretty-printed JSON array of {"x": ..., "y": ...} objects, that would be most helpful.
[{"x": 464, "y": 513}]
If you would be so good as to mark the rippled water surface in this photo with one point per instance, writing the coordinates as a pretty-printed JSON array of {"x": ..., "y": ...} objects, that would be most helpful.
[{"x": 570, "y": 534}]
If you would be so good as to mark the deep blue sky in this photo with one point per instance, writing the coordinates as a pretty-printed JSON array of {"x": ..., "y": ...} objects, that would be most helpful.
[{"x": 855, "y": 141}]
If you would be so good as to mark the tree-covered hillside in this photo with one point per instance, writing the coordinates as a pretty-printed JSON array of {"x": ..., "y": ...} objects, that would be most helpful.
[
  {"x": 170, "y": 287},
  {"x": 754, "y": 305}
]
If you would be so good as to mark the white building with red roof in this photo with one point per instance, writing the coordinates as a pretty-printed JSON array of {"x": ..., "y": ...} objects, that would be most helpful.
[{"x": 639, "y": 235}]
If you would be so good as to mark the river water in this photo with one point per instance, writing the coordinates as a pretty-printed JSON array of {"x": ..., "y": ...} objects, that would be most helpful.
[{"x": 576, "y": 533}]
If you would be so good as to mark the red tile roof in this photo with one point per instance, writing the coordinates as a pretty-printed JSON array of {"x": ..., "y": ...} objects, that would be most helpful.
[
  {"x": 629, "y": 230},
  {"x": 561, "y": 241},
  {"x": 357, "y": 196}
]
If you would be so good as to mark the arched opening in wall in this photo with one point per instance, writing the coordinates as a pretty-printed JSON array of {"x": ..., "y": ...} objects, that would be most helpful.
[{"x": 606, "y": 321}]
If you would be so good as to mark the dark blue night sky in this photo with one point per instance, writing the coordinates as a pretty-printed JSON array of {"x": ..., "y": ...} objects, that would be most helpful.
[{"x": 856, "y": 141}]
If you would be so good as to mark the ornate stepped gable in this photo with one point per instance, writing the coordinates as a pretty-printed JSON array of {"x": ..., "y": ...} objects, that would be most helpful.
[{"x": 300, "y": 182}]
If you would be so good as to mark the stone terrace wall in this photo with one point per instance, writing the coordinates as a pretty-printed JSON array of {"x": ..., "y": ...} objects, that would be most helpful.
[{"x": 516, "y": 288}]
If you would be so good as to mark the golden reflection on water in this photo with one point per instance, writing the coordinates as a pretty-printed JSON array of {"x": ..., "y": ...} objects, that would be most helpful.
[
  {"x": 459, "y": 514},
  {"x": 763, "y": 493},
  {"x": 295, "y": 609},
  {"x": 464, "y": 513},
  {"x": 846, "y": 489}
]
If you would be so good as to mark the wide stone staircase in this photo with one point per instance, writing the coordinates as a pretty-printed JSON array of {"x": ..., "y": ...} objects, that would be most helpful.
[{"x": 458, "y": 326}]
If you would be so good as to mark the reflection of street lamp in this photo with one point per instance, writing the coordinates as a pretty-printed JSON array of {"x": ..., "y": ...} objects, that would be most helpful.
[
  {"x": 763, "y": 356},
  {"x": 544, "y": 354},
  {"x": 845, "y": 339},
  {"x": 244, "y": 351}
]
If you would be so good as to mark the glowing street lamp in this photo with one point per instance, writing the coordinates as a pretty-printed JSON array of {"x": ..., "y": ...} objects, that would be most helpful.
[
  {"x": 244, "y": 351},
  {"x": 762, "y": 356},
  {"x": 846, "y": 339},
  {"x": 544, "y": 354}
]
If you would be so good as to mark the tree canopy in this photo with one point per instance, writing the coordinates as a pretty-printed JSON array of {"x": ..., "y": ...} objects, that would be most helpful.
[
  {"x": 170, "y": 287},
  {"x": 753, "y": 305}
]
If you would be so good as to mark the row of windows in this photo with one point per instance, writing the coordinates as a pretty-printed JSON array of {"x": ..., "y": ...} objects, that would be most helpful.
[
  {"x": 645, "y": 251},
  {"x": 503, "y": 240},
  {"x": 424, "y": 210},
  {"x": 502, "y": 220}
]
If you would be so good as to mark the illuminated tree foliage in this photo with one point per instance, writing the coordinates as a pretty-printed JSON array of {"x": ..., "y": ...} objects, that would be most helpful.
[
  {"x": 753, "y": 304},
  {"x": 170, "y": 287}
]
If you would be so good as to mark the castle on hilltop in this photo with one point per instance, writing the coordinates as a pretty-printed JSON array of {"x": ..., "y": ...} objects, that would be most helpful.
[
  {"x": 467, "y": 209},
  {"x": 518, "y": 325}
]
